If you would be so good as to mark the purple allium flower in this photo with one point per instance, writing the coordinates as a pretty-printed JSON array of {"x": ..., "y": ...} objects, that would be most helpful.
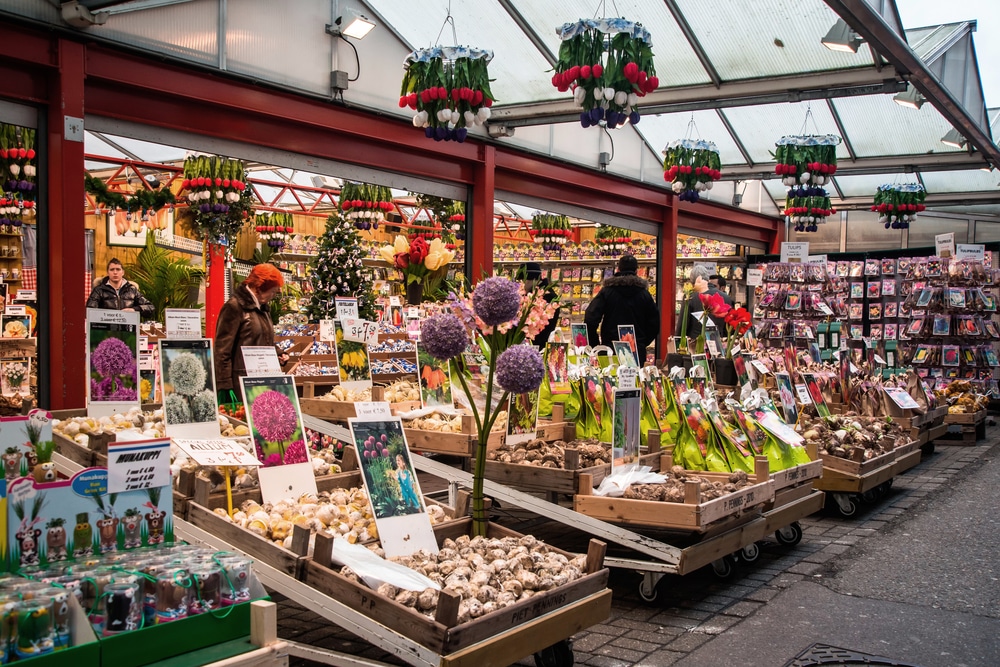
[
  {"x": 496, "y": 300},
  {"x": 123, "y": 394},
  {"x": 443, "y": 336},
  {"x": 296, "y": 452},
  {"x": 112, "y": 357},
  {"x": 273, "y": 416},
  {"x": 187, "y": 374},
  {"x": 520, "y": 369}
]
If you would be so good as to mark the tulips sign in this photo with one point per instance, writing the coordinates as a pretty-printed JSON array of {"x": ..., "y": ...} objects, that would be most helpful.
[
  {"x": 691, "y": 167},
  {"x": 898, "y": 204},
  {"x": 365, "y": 205},
  {"x": 608, "y": 64},
  {"x": 805, "y": 163},
  {"x": 449, "y": 89}
]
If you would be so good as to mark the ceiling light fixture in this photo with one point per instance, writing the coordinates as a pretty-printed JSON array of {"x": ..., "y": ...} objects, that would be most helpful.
[
  {"x": 352, "y": 24},
  {"x": 842, "y": 38},
  {"x": 910, "y": 97},
  {"x": 954, "y": 139}
]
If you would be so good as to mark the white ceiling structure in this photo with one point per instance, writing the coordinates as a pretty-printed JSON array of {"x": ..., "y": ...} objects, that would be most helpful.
[{"x": 746, "y": 72}]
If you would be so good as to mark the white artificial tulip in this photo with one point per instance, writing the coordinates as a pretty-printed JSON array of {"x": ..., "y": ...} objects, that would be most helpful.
[
  {"x": 609, "y": 93},
  {"x": 621, "y": 97}
]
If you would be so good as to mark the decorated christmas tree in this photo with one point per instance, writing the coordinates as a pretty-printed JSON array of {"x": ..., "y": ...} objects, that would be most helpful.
[{"x": 338, "y": 271}]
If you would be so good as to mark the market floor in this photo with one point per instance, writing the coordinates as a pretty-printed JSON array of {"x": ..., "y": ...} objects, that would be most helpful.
[{"x": 913, "y": 578}]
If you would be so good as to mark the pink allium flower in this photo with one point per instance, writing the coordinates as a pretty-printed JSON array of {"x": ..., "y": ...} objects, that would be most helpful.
[
  {"x": 273, "y": 416},
  {"x": 296, "y": 452}
]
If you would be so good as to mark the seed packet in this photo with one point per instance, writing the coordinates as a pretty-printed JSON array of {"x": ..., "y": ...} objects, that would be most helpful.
[
  {"x": 856, "y": 331},
  {"x": 904, "y": 309},
  {"x": 949, "y": 355},
  {"x": 956, "y": 297},
  {"x": 915, "y": 327},
  {"x": 857, "y": 290},
  {"x": 922, "y": 354},
  {"x": 876, "y": 331},
  {"x": 888, "y": 267},
  {"x": 890, "y": 332},
  {"x": 793, "y": 300},
  {"x": 797, "y": 273},
  {"x": 872, "y": 267},
  {"x": 874, "y": 289},
  {"x": 903, "y": 265},
  {"x": 889, "y": 287},
  {"x": 890, "y": 310},
  {"x": 990, "y": 356},
  {"x": 942, "y": 325},
  {"x": 969, "y": 356},
  {"x": 855, "y": 311},
  {"x": 777, "y": 329},
  {"x": 969, "y": 326},
  {"x": 857, "y": 268},
  {"x": 924, "y": 299},
  {"x": 933, "y": 267},
  {"x": 843, "y": 269},
  {"x": 990, "y": 302},
  {"x": 875, "y": 311},
  {"x": 990, "y": 327}
]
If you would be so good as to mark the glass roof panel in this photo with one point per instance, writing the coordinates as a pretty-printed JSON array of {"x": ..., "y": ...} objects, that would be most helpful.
[
  {"x": 661, "y": 129},
  {"x": 676, "y": 62},
  {"x": 777, "y": 191},
  {"x": 925, "y": 41},
  {"x": 865, "y": 185},
  {"x": 757, "y": 38},
  {"x": 519, "y": 70},
  {"x": 973, "y": 180},
  {"x": 758, "y": 127},
  {"x": 917, "y": 131},
  {"x": 143, "y": 150}
]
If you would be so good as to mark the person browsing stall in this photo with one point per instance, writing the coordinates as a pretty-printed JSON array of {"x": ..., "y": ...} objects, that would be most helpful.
[
  {"x": 113, "y": 292},
  {"x": 245, "y": 321},
  {"x": 624, "y": 299}
]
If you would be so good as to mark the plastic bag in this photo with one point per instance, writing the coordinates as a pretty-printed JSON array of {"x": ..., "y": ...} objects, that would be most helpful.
[
  {"x": 588, "y": 419},
  {"x": 375, "y": 570}
]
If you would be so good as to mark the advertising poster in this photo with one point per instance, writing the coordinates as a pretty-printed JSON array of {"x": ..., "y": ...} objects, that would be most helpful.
[
  {"x": 112, "y": 361},
  {"x": 352, "y": 361},
  {"x": 522, "y": 417},
  {"x": 625, "y": 432},
  {"x": 786, "y": 391},
  {"x": 557, "y": 367},
  {"x": 190, "y": 407}
]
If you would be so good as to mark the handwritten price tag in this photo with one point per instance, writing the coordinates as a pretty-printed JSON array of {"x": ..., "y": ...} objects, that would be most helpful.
[
  {"x": 360, "y": 331},
  {"x": 261, "y": 360},
  {"x": 347, "y": 309},
  {"x": 627, "y": 377},
  {"x": 372, "y": 410},
  {"x": 327, "y": 330}
]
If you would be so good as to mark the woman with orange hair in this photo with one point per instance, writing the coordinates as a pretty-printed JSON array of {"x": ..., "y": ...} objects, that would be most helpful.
[{"x": 244, "y": 321}]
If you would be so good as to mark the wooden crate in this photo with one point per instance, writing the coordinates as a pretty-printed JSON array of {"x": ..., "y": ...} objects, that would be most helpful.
[
  {"x": 443, "y": 634},
  {"x": 856, "y": 467},
  {"x": 342, "y": 410},
  {"x": 965, "y": 417},
  {"x": 968, "y": 434},
  {"x": 691, "y": 515},
  {"x": 906, "y": 448},
  {"x": 839, "y": 481},
  {"x": 451, "y": 444},
  {"x": 554, "y": 480},
  {"x": 906, "y": 461},
  {"x": 802, "y": 474}
]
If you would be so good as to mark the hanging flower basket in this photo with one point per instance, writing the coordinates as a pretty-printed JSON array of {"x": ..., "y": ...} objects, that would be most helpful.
[
  {"x": 365, "y": 205},
  {"x": 805, "y": 164},
  {"x": 427, "y": 230},
  {"x": 274, "y": 229},
  {"x": 898, "y": 204},
  {"x": 217, "y": 196},
  {"x": 17, "y": 160},
  {"x": 140, "y": 206},
  {"x": 608, "y": 64},
  {"x": 456, "y": 220},
  {"x": 551, "y": 231},
  {"x": 691, "y": 167},
  {"x": 613, "y": 241},
  {"x": 449, "y": 88}
]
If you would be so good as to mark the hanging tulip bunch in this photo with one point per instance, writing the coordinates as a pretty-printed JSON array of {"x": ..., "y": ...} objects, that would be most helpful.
[
  {"x": 456, "y": 220},
  {"x": 608, "y": 64},
  {"x": 425, "y": 229},
  {"x": 552, "y": 231},
  {"x": 274, "y": 229},
  {"x": 613, "y": 241},
  {"x": 805, "y": 164},
  {"x": 365, "y": 205},
  {"x": 898, "y": 204},
  {"x": 17, "y": 157},
  {"x": 691, "y": 167},
  {"x": 217, "y": 196},
  {"x": 449, "y": 89}
]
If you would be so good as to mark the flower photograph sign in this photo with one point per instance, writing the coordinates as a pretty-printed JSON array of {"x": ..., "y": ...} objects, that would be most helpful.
[
  {"x": 14, "y": 377},
  {"x": 190, "y": 406},
  {"x": 112, "y": 361}
]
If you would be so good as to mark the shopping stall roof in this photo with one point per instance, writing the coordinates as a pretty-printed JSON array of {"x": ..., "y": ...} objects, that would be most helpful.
[{"x": 745, "y": 71}]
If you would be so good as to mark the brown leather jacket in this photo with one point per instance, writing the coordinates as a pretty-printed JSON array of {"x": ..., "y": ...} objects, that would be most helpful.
[{"x": 241, "y": 322}]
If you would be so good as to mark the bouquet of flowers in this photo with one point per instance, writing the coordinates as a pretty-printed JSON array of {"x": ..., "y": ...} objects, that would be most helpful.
[
  {"x": 738, "y": 322},
  {"x": 15, "y": 374},
  {"x": 499, "y": 317},
  {"x": 419, "y": 261}
]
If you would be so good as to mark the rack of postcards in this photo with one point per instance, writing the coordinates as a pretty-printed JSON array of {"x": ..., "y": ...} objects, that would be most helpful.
[
  {"x": 951, "y": 331},
  {"x": 794, "y": 300}
]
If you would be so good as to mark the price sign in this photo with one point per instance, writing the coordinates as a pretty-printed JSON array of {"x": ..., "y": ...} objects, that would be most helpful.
[
  {"x": 823, "y": 308},
  {"x": 779, "y": 429},
  {"x": 412, "y": 313},
  {"x": 394, "y": 301},
  {"x": 16, "y": 311},
  {"x": 327, "y": 330},
  {"x": 360, "y": 331},
  {"x": 347, "y": 308},
  {"x": 183, "y": 322},
  {"x": 816, "y": 259},
  {"x": 26, "y": 295},
  {"x": 975, "y": 252},
  {"x": 216, "y": 452},
  {"x": 901, "y": 398},
  {"x": 138, "y": 464},
  {"x": 755, "y": 277},
  {"x": 760, "y": 367},
  {"x": 261, "y": 360},
  {"x": 879, "y": 360},
  {"x": 372, "y": 410},
  {"x": 795, "y": 252},
  {"x": 713, "y": 348},
  {"x": 944, "y": 244},
  {"x": 627, "y": 377},
  {"x": 803, "y": 393}
]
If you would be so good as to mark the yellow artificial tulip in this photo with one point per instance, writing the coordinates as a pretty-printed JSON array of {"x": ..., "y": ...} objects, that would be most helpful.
[
  {"x": 386, "y": 252},
  {"x": 401, "y": 245},
  {"x": 438, "y": 255}
]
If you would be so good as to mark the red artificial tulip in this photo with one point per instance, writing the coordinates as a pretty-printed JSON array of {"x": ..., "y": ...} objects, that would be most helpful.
[{"x": 597, "y": 70}]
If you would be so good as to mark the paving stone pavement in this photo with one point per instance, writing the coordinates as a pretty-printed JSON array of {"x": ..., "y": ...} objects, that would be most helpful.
[{"x": 692, "y": 611}]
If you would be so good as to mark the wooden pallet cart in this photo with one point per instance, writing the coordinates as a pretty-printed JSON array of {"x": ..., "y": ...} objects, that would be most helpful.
[
  {"x": 964, "y": 428},
  {"x": 849, "y": 483}
]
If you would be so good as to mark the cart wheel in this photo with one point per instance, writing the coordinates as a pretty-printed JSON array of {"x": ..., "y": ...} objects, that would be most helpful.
[
  {"x": 559, "y": 654},
  {"x": 871, "y": 495},
  {"x": 847, "y": 508},
  {"x": 789, "y": 535},
  {"x": 725, "y": 567},
  {"x": 927, "y": 449},
  {"x": 750, "y": 552},
  {"x": 647, "y": 586}
]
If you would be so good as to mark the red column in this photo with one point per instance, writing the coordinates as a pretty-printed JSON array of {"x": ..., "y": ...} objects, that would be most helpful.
[
  {"x": 480, "y": 227},
  {"x": 666, "y": 278},
  {"x": 215, "y": 286},
  {"x": 67, "y": 376},
  {"x": 777, "y": 239}
]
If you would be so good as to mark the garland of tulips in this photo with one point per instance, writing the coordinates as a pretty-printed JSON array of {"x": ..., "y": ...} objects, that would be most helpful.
[
  {"x": 449, "y": 89},
  {"x": 365, "y": 205},
  {"x": 217, "y": 196},
  {"x": 613, "y": 240},
  {"x": 898, "y": 204},
  {"x": 608, "y": 64},
  {"x": 275, "y": 229},
  {"x": 691, "y": 167},
  {"x": 805, "y": 163},
  {"x": 456, "y": 220},
  {"x": 552, "y": 231},
  {"x": 17, "y": 154},
  {"x": 424, "y": 229}
]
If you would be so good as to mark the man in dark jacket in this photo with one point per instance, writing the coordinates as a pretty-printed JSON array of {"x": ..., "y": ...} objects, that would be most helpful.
[
  {"x": 115, "y": 293},
  {"x": 531, "y": 274},
  {"x": 700, "y": 277},
  {"x": 624, "y": 299}
]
